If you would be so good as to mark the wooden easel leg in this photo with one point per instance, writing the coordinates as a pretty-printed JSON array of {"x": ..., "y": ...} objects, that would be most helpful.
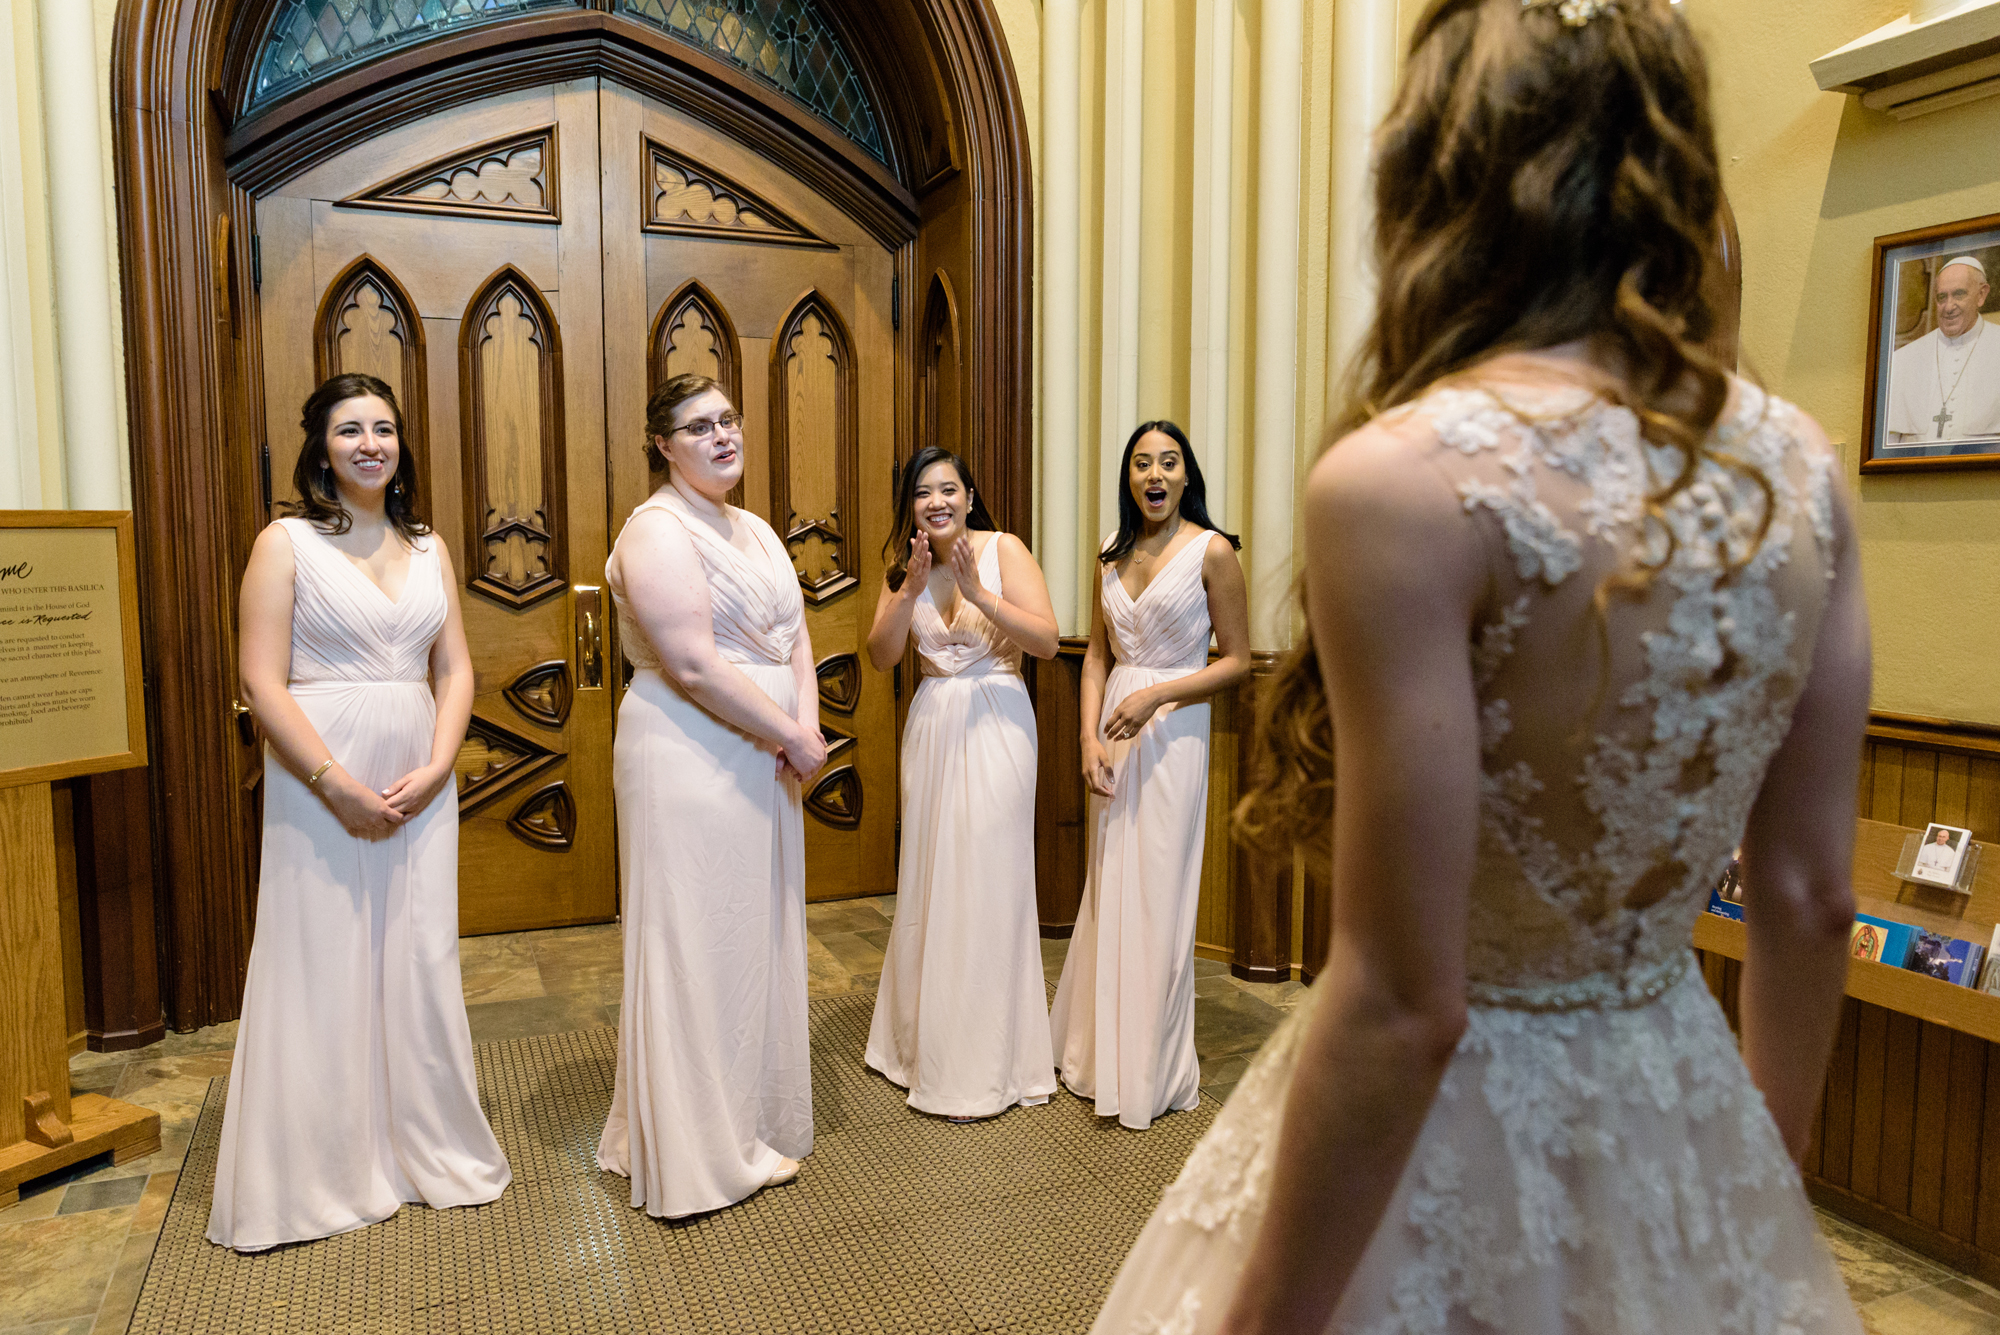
[{"x": 41, "y": 1127}]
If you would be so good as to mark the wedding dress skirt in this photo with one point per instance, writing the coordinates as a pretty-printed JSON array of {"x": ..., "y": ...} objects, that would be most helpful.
[{"x": 1581, "y": 1172}]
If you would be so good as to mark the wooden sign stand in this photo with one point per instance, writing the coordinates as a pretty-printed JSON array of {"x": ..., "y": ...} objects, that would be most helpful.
[{"x": 42, "y": 1128}]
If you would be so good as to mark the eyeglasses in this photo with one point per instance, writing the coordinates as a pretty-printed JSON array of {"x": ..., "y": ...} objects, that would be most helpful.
[{"x": 703, "y": 429}]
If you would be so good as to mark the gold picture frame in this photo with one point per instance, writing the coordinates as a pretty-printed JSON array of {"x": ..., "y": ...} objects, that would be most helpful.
[
  {"x": 72, "y": 689},
  {"x": 1904, "y": 322}
]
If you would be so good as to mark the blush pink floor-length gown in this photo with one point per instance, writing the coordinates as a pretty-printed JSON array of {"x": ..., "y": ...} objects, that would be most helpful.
[
  {"x": 352, "y": 1089},
  {"x": 961, "y": 1020},
  {"x": 713, "y": 1084},
  {"x": 1123, "y": 1020}
]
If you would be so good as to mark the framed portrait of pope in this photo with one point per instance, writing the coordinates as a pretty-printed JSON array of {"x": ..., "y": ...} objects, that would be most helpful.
[{"x": 1933, "y": 397}]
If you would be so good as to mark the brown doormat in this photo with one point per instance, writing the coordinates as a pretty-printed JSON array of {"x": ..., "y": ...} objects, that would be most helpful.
[{"x": 898, "y": 1221}]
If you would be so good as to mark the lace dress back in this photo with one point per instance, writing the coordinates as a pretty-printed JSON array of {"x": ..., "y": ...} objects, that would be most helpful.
[{"x": 1596, "y": 1159}]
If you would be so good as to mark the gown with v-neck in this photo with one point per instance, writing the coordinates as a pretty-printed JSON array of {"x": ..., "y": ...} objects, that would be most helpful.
[
  {"x": 1123, "y": 1020},
  {"x": 961, "y": 1018},
  {"x": 713, "y": 1084},
  {"x": 352, "y": 1089}
]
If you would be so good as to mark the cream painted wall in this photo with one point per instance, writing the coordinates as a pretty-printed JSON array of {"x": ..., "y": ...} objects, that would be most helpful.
[
  {"x": 1166, "y": 250},
  {"x": 32, "y": 447},
  {"x": 1814, "y": 178}
]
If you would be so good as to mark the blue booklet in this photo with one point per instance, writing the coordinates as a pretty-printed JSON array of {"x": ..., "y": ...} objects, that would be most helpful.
[
  {"x": 1943, "y": 957},
  {"x": 1881, "y": 940},
  {"x": 1723, "y": 907}
]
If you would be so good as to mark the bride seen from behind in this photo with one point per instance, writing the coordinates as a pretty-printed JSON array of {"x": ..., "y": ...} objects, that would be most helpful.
[{"x": 1585, "y": 612}]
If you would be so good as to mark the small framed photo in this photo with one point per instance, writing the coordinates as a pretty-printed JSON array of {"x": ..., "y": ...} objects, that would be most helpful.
[
  {"x": 1933, "y": 383},
  {"x": 1940, "y": 854}
]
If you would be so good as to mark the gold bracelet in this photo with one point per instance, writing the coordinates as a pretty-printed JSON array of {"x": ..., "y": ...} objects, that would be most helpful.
[{"x": 312, "y": 780}]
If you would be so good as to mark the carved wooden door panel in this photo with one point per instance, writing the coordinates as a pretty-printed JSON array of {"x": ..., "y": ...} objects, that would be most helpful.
[
  {"x": 751, "y": 277},
  {"x": 458, "y": 258}
]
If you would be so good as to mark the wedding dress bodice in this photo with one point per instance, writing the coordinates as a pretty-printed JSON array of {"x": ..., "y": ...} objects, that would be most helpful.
[{"x": 1614, "y": 790}]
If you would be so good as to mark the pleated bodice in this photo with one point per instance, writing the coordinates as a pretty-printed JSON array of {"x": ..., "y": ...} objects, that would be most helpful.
[
  {"x": 754, "y": 599},
  {"x": 345, "y": 629},
  {"x": 972, "y": 646},
  {"x": 1166, "y": 627}
]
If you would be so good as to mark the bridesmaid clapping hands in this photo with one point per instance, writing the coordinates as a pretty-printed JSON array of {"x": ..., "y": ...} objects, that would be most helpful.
[{"x": 960, "y": 1020}]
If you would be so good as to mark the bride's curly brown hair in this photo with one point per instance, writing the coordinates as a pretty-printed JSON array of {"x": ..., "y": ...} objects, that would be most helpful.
[{"x": 1537, "y": 182}]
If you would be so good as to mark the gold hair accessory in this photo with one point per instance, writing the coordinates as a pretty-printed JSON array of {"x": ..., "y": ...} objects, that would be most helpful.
[{"x": 1574, "y": 13}]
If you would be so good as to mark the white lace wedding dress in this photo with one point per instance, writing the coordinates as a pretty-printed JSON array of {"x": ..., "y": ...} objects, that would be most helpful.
[{"x": 1596, "y": 1159}]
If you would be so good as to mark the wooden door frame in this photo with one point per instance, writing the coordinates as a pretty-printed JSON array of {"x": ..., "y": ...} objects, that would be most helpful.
[{"x": 186, "y": 169}]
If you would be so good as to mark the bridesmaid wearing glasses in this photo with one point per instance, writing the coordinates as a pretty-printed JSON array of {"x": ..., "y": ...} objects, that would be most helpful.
[{"x": 713, "y": 1096}]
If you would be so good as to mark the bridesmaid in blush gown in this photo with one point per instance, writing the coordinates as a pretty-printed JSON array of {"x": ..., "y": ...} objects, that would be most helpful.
[
  {"x": 960, "y": 1020},
  {"x": 1123, "y": 1021},
  {"x": 352, "y": 1090},
  {"x": 713, "y": 1095}
]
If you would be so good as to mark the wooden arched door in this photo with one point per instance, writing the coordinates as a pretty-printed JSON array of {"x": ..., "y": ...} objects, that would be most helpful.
[
  {"x": 231, "y": 118},
  {"x": 522, "y": 270}
]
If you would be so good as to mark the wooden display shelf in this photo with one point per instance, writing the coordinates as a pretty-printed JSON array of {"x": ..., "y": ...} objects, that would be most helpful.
[
  {"x": 96, "y": 1124},
  {"x": 1879, "y": 894}
]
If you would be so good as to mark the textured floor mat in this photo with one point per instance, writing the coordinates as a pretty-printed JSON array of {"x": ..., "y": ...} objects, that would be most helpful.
[{"x": 898, "y": 1223}]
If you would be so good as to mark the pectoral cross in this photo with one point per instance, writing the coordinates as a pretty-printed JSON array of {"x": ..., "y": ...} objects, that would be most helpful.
[{"x": 1943, "y": 418}]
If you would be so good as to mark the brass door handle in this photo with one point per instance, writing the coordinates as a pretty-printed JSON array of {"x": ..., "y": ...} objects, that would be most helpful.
[
  {"x": 589, "y": 637},
  {"x": 246, "y": 722}
]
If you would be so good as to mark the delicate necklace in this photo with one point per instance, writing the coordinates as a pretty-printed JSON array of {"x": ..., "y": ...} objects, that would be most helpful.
[{"x": 1944, "y": 415}]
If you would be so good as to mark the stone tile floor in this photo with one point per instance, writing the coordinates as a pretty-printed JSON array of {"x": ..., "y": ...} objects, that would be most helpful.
[{"x": 74, "y": 1251}]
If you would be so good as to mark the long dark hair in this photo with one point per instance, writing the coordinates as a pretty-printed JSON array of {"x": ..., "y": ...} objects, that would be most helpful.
[
  {"x": 1538, "y": 181},
  {"x": 319, "y": 500},
  {"x": 1194, "y": 496},
  {"x": 896, "y": 551}
]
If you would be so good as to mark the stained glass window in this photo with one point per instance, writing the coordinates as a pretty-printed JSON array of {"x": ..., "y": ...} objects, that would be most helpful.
[
  {"x": 309, "y": 39},
  {"x": 783, "y": 43}
]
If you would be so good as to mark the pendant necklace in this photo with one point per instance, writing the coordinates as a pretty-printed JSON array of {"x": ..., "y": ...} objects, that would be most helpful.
[{"x": 1944, "y": 415}]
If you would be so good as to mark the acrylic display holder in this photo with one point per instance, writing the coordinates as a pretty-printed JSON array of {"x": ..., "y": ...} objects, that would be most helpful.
[{"x": 1968, "y": 867}]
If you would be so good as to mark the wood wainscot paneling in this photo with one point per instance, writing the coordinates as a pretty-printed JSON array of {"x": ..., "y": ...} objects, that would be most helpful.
[
  {"x": 1061, "y": 835},
  {"x": 1244, "y": 916},
  {"x": 1907, "y": 1140}
]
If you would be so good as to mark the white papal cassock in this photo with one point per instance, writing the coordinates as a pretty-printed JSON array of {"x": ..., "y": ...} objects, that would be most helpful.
[{"x": 1958, "y": 376}]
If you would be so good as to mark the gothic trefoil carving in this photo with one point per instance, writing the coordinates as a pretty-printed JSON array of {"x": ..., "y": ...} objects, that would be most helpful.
[
  {"x": 836, "y": 799},
  {"x": 546, "y": 818},
  {"x": 512, "y": 178},
  {"x": 493, "y": 759},
  {"x": 839, "y": 682},
  {"x": 542, "y": 693},
  {"x": 688, "y": 199}
]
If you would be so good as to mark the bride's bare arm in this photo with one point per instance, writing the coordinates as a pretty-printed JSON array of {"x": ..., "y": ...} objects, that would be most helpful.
[
  {"x": 1798, "y": 851},
  {"x": 667, "y": 591},
  {"x": 1394, "y": 576}
]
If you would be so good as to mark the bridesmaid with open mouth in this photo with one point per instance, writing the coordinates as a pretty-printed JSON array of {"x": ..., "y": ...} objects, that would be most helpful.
[{"x": 1123, "y": 1021}]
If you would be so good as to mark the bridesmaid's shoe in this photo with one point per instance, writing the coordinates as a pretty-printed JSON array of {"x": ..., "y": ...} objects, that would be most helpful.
[{"x": 788, "y": 1169}]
